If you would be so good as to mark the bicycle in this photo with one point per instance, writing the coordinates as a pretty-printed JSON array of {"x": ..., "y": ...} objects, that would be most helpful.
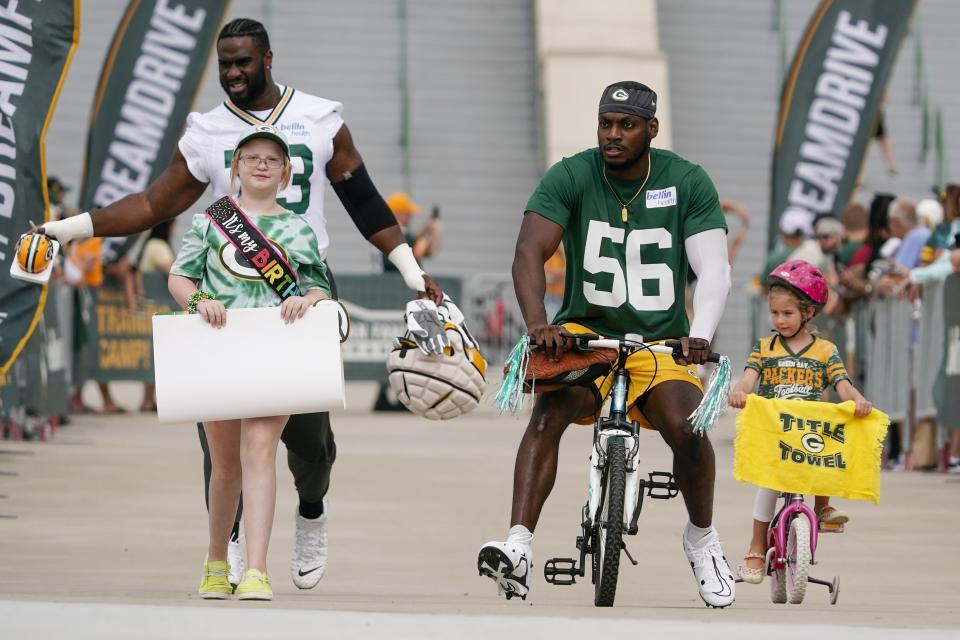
[
  {"x": 791, "y": 549},
  {"x": 615, "y": 492}
]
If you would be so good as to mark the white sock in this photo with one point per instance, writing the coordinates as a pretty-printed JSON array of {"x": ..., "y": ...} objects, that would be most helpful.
[
  {"x": 519, "y": 533},
  {"x": 693, "y": 534}
]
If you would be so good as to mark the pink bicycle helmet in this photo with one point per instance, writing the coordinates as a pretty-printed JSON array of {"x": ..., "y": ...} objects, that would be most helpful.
[{"x": 803, "y": 278}]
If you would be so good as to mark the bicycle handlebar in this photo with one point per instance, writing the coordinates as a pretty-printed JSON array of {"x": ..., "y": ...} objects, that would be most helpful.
[{"x": 593, "y": 341}]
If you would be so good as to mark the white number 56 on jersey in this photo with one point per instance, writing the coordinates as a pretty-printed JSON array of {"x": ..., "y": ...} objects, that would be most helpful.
[{"x": 628, "y": 285}]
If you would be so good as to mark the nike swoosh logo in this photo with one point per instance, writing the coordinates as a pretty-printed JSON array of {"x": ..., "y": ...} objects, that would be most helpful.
[
  {"x": 301, "y": 572},
  {"x": 725, "y": 590}
]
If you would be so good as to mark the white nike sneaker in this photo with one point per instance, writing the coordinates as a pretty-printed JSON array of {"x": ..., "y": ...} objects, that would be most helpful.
[
  {"x": 309, "y": 550},
  {"x": 509, "y": 564},
  {"x": 236, "y": 562},
  {"x": 714, "y": 577}
]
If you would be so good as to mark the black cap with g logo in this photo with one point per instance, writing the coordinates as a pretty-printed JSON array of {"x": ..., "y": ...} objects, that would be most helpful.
[{"x": 629, "y": 97}]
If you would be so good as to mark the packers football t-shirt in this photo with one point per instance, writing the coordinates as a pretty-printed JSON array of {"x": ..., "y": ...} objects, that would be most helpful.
[
  {"x": 208, "y": 257},
  {"x": 804, "y": 375},
  {"x": 627, "y": 277}
]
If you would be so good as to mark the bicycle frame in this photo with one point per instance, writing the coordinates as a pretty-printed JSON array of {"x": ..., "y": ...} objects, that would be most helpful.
[
  {"x": 777, "y": 556},
  {"x": 793, "y": 507},
  {"x": 617, "y": 424}
]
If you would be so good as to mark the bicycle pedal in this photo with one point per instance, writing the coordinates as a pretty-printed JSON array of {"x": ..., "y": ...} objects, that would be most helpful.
[
  {"x": 661, "y": 485},
  {"x": 830, "y": 528},
  {"x": 561, "y": 571}
]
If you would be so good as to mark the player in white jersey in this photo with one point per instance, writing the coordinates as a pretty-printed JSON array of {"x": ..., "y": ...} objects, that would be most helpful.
[
  {"x": 322, "y": 151},
  {"x": 310, "y": 124}
]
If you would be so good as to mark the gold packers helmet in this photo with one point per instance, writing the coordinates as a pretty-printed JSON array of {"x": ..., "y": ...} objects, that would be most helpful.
[{"x": 34, "y": 252}]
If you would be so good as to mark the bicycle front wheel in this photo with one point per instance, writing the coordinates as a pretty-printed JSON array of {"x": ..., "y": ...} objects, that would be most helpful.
[
  {"x": 608, "y": 539},
  {"x": 798, "y": 559}
]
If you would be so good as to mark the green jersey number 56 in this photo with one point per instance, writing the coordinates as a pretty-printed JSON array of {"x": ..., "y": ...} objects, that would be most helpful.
[{"x": 627, "y": 284}]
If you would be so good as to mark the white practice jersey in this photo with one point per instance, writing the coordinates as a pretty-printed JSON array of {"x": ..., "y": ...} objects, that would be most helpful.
[{"x": 310, "y": 124}]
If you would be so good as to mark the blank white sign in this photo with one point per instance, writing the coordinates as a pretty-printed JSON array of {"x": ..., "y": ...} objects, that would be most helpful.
[{"x": 255, "y": 365}]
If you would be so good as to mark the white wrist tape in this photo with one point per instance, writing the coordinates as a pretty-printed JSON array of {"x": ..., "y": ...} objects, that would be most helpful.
[
  {"x": 402, "y": 258},
  {"x": 78, "y": 226}
]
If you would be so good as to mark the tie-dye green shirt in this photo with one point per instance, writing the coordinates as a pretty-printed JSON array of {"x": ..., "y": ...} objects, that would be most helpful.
[{"x": 208, "y": 257}]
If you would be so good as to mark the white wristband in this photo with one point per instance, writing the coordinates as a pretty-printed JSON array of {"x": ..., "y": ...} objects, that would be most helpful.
[
  {"x": 78, "y": 226},
  {"x": 402, "y": 258}
]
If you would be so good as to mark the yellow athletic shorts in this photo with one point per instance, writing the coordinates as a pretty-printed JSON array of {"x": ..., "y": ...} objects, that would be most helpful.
[{"x": 641, "y": 368}]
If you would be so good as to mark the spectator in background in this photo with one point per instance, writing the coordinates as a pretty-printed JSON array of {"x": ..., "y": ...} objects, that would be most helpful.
[
  {"x": 855, "y": 278},
  {"x": 555, "y": 270},
  {"x": 877, "y": 234},
  {"x": 930, "y": 213},
  {"x": 946, "y": 259},
  {"x": 796, "y": 230},
  {"x": 882, "y": 137},
  {"x": 905, "y": 224},
  {"x": 942, "y": 235},
  {"x": 57, "y": 193},
  {"x": 84, "y": 270},
  {"x": 954, "y": 461},
  {"x": 157, "y": 257},
  {"x": 829, "y": 234},
  {"x": 856, "y": 228},
  {"x": 731, "y": 207},
  {"x": 947, "y": 263},
  {"x": 425, "y": 242}
]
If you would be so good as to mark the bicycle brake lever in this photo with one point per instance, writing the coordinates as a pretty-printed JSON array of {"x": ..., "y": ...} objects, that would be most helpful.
[
  {"x": 579, "y": 339},
  {"x": 714, "y": 357}
]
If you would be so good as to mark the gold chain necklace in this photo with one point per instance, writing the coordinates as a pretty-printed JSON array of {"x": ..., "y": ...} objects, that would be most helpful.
[{"x": 624, "y": 205}]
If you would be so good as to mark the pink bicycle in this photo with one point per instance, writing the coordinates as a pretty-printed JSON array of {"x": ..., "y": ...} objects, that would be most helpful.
[{"x": 791, "y": 549}]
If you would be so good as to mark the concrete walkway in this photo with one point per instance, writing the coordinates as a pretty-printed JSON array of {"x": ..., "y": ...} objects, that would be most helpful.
[{"x": 109, "y": 518}]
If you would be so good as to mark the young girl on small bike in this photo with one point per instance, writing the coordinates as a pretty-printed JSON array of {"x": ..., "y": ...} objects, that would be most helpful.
[
  {"x": 797, "y": 291},
  {"x": 209, "y": 277}
]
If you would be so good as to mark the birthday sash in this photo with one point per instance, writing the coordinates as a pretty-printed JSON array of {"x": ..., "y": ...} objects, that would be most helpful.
[{"x": 253, "y": 248}]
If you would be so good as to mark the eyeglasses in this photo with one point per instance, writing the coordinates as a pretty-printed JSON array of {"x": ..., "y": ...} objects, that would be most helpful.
[{"x": 254, "y": 161}]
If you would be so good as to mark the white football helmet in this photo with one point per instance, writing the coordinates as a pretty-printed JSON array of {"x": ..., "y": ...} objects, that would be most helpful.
[{"x": 437, "y": 383}]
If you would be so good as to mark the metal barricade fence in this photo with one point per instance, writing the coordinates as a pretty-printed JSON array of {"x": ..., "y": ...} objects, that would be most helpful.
[{"x": 34, "y": 393}]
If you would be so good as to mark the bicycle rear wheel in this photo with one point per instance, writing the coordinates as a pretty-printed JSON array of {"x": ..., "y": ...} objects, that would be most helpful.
[
  {"x": 778, "y": 586},
  {"x": 608, "y": 539}
]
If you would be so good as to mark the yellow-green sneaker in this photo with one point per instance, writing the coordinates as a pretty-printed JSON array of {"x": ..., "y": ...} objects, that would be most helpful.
[
  {"x": 254, "y": 586},
  {"x": 214, "y": 584}
]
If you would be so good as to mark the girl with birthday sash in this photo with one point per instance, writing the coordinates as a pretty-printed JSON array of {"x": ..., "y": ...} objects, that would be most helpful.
[
  {"x": 795, "y": 364},
  {"x": 247, "y": 252}
]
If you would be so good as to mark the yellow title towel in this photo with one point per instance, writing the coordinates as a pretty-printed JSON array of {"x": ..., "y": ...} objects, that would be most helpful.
[{"x": 817, "y": 448}]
